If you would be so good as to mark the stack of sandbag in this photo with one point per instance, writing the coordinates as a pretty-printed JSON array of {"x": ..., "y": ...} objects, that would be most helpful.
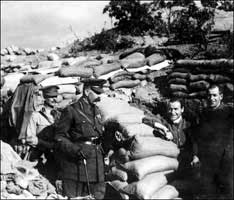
[
  {"x": 191, "y": 78},
  {"x": 142, "y": 170},
  {"x": 20, "y": 180},
  {"x": 145, "y": 169}
]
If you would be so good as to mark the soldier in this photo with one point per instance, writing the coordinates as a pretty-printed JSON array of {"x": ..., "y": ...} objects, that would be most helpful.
[
  {"x": 40, "y": 132},
  {"x": 78, "y": 136},
  {"x": 179, "y": 130},
  {"x": 215, "y": 143}
]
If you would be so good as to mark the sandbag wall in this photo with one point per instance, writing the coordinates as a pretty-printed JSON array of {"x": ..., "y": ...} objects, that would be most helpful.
[
  {"x": 191, "y": 78},
  {"x": 145, "y": 169}
]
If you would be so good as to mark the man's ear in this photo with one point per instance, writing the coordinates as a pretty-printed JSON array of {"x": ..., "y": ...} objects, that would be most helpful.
[
  {"x": 221, "y": 96},
  {"x": 118, "y": 136},
  {"x": 182, "y": 109}
]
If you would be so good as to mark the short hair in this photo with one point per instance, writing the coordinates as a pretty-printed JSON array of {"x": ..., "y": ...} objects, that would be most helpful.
[
  {"x": 212, "y": 86},
  {"x": 176, "y": 99}
]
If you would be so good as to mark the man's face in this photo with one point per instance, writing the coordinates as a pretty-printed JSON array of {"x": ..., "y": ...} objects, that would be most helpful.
[
  {"x": 175, "y": 110},
  {"x": 214, "y": 97},
  {"x": 92, "y": 96},
  {"x": 52, "y": 101}
]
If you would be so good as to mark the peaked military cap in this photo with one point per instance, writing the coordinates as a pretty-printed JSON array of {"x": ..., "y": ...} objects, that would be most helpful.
[
  {"x": 50, "y": 91},
  {"x": 95, "y": 84}
]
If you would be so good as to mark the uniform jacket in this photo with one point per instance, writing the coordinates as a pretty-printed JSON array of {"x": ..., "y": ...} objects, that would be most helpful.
[
  {"x": 215, "y": 134},
  {"x": 70, "y": 130}
]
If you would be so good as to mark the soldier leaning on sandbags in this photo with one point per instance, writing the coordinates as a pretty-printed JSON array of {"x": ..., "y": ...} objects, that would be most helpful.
[
  {"x": 177, "y": 129},
  {"x": 215, "y": 143},
  {"x": 78, "y": 138}
]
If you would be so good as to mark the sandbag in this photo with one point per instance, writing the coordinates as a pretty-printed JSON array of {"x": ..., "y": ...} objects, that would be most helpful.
[
  {"x": 142, "y": 167},
  {"x": 131, "y": 51},
  {"x": 179, "y": 94},
  {"x": 121, "y": 78},
  {"x": 166, "y": 192},
  {"x": 118, "y": 185},
  {"x": 134, "y": 60},
  {"x": 69, "y": 88},
  {"x": 198, "y": 77},
  {"x": 199, "y": 85},
  {"x": 140, "y": 76},
  {"x": 179, "y": 81},
  {"x": 117, "y": 174},
  {"x": 145, "y": 188},
  {"x": 12, "y": 81},
  {"x": 143, "y": 147},
  {"x": 55, "y": 80},
  {"x": 50, "y": 64},
  {"x": 143, "y": 130},
  {"x": 214, "y": 63},
  {"x": 111, "y": 107},
  {"x": 178, "y": 87},
  {"x": 182, "y": 70},
  {"x": 199, "y": 94},
  {"x": 9, "y": 158},
  {"x": 178, "y": 75},
  {"x": 75, "y": 71},
  {"x": 33, "y": 78},
  {"x": 125, "y": 84},
  {"x": 155, "y": 59},
  {"x": 216, "y": 78},
  {"x": 105, "y": 69},
  {"x": 89, "y": 63},
  {"x": 129, "y": 118}
]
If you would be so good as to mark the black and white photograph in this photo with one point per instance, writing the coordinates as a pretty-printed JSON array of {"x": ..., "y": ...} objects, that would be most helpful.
[{"x": 117, "y": 99}]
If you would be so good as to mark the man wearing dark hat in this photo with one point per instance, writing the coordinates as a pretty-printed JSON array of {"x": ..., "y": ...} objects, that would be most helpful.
[
  {"x": 39, "y": 133},
  {"x": 78, "y": 135}
]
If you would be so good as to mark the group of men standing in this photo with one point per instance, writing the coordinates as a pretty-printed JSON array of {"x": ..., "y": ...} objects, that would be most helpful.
[{"x": 72, "y": 142}]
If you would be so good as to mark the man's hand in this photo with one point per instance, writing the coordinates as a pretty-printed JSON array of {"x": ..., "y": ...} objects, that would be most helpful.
[
  {"x": 147, "y": 121},
  {"x": 32, "y": 141},
  {"x": 195, "y": 162}
]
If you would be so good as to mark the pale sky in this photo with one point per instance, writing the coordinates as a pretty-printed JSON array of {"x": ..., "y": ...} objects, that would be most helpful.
[{"x": 43, "y": 24}]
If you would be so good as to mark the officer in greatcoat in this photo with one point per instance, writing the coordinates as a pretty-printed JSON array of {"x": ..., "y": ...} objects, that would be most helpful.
[{"x": 78, "y": 136}]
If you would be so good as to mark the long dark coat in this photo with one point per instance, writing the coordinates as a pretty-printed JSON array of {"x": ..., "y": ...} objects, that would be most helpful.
[{"x": 70, "y": 130}]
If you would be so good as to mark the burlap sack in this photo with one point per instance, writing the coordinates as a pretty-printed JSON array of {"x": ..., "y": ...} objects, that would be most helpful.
[
  {"x": 198, "y": 77},
  {"x": 106, "y": 68},
  {"x": 131, "y": 51},
  {"x": 146, "y": 187},
  {"x": 143, "y": 147},
  {"x": 166, "y": 192},
  {"x": 117, "y": 174},
  {"x": 178, "y": 75},
  {"x": 125, "y": 84},
  {"x": 134, "y": 60},
  {"x": 178, "y": 87},
  {"x": 179, "y": 81},
  {"x": 180, "y": 94},
  {"x": 75, "y": 71},
  {"x": 155, "y": 59},
  {"x": 199, "y": 85},
  {"x": 142, "y": 167},
  {"x": 143, "y": 130},
  {"x": 217, "y": 78},
  {"x": 121, "y": 78},
  {"x": 111, "y": 107}
]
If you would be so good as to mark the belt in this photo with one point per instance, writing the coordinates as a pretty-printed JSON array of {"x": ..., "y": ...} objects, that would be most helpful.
[{"x": 91, "y": 140}]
